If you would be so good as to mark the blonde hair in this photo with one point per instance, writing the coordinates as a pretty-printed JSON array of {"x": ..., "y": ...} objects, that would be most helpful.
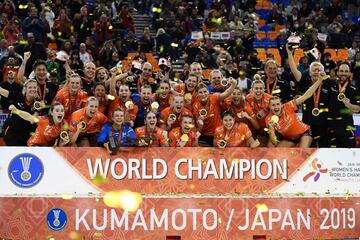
[{"x": 27, "y": 82}]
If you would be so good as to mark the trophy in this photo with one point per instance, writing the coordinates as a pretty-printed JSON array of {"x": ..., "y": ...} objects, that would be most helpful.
[{"x": 113, "y": 145}]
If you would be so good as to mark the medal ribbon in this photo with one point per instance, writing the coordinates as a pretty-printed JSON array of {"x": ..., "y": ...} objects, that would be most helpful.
[
  {"x": 268, "y": 87},
  {"x": 342, "y": 88},
  {"x": 317, "y": 97}
]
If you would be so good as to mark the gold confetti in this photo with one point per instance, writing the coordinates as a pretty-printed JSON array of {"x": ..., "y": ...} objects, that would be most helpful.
[
  {"x": 219, "y": 220},
  {"x": 74, "y": 236},
  {"x": 67, "y": 196},
  {"x": 99, "y": 180},
  {"x": 110, "y": 97},
  {"x": 124, "y": 199},
  {"x": 262, "y": 207},
  {"x": 155, "y": 105}
]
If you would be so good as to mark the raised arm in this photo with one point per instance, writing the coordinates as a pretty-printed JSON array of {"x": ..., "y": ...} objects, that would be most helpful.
[
  {"x": 311, "y": 90},
  {"x": 297, "y": 74},
  {"x": 4, "y": 92},
  {"x": 24, "y": 115},
  {"x": 113, "y": 82},
  {"x": 22, "y": 67},
  {"x": 228, "y": 91}
]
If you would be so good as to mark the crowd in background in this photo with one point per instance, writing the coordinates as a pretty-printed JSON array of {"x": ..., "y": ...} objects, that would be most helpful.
[{"x": 78, "y": 54}]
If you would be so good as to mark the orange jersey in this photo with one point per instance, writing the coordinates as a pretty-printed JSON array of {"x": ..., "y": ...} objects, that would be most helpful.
[
  {"x": 181, "y": 88},
  {"x": 163, "y": 102},
  {"x": 289, "y": 125},
  {"x": 212, "y": 119},
  {"x": 164, "y": 116},
  {"x": 117, "y": 103},
  {"x": 258, "y": 109},
  {"x": 228, "y": 105},
  {"x": 93, "y": 125},
  {"x": 157, "y": 137},
  {"x": 176, "y": 133},
  {"x": 236, "y": 137},
  {"x": 45, "y": 134},
  {"x": 71, "y": 103}
]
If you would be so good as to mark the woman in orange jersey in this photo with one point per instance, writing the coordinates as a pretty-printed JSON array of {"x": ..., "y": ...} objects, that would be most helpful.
[
  {"x": 150, "y": 134},
  {"x": 163, "y": 95},
  {"x": 236, "y": 103},
  {"x": 186, "y": 135},
  {"x": 48, "y": 128},
  {"x": 71, "y": 96},
  {"x": 208, "y": 112},
  {"x": 233, "y": 134},
  {"x": 86, "y": 123},
  {"x": 99, "y": 92},
  {"x": 284, "y": 127},
  {"x": 188, "y": 89}
]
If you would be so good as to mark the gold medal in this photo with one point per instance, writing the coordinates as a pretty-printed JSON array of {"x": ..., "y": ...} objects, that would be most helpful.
[
  {"x": 128, "y": 104},
  {"x": 224, "y": 82},
  {"x": 188, "y": 97},
  {"x": 315, "y": 112},
  {"x": 222, "y": 143},
  {"x": 341, "y": 96},
  {"x": 155, "y": 105},
  {"x": 203, "y": 112},
  {"x": 274, "y": 119},
  {"x": 184, "y": 138},
  {"x": 172, "y": 116}
]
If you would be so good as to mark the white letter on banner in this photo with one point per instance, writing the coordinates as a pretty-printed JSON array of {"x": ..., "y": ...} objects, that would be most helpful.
[
  {"x": 272, "y": 218},
  {"x": 244, "y": 166},
  {"x": 278, "y": 169},
  {"x": 210, "y": 169},
  {"x": 258, "y": 169},
  {"x": 194, "y": 211},
  {"x": 155, "y": 220},
  {"x": 113, "y": 168},
  {"x": 81, "y": 219},
  {"x": 228, "y": 170},
  {"x": 215, "y": 219},
  {"x": 197, "y": 168},
  {"x": 156, "y": 168},
  {"x": 287, "y": 221},
  {"x": 304, "y": 219},
  {"x": 115, "y": 220},
  {"x": 134, "y": 165},
  {"x": 261, "y": 222},
  {"x": 139, "y": 216},
  {"x": 247, "y": 220},
  {"x": 98, "y": 167},
  {"x": 177, "y": 168},
  {"x": 96, "y": 227},
  {"x": 183, "y": 219}
]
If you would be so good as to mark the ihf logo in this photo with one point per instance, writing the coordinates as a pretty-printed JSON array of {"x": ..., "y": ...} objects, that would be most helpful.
[
  {"x": 56, "y": 219},
  {"x": 26, "y": 170}
]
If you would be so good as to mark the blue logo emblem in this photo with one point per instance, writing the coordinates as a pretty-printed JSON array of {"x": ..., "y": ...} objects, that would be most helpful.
[
  {"x": 56, "y": 219},
  {"x": 26, "y": 170}
]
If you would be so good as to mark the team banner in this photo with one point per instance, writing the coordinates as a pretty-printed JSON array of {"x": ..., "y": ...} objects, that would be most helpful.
[
  {"x": 190, "y": 217},
  {"x": 57, "y": 171}
]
